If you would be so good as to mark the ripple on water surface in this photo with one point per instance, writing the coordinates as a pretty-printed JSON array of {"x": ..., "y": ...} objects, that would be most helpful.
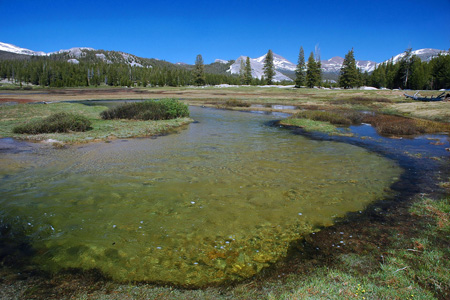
[{"x": 218, "y": 201}]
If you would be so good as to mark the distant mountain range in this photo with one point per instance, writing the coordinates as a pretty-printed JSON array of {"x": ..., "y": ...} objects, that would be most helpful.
[{"x": 285, "y": 70}]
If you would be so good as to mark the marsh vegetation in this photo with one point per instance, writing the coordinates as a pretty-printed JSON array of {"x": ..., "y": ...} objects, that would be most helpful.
[
  {"x": 56, "y": 123},
  {"x": 34, "y": 121},
  {"x": 164, "y": 109}
]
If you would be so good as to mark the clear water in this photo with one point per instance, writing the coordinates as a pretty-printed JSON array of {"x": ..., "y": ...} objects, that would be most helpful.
[{"x": 218, "y": 201}]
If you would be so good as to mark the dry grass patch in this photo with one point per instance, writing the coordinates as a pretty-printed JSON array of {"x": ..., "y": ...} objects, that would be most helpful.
[
  {"x": 395, "y": 125},
  {"x": 437, "y": 111}
]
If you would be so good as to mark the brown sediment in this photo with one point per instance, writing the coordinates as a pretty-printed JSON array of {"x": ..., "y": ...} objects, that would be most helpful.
[{"x": 15, "y": 100}]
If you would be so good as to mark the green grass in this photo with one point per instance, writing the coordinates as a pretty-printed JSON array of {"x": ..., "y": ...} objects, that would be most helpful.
[
  {"x": 310, "y": 125},
  {"x": 164, "y": 109},
  {"x": 14, "y": 115},
  {"x": 56, "y": 123}
]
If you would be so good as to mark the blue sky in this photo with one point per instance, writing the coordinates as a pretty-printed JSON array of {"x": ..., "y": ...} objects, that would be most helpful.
[{"x": 177, "y": 31}]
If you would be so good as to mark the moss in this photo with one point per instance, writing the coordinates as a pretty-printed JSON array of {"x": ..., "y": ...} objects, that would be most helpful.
[{"x": 310, "y": 125}]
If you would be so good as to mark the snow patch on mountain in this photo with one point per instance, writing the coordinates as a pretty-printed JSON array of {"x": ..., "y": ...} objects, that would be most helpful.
[
  {"x": 366, "y": 65},
  {"x": 334, "y": 65},
  {"x": 75, "y": 52},
  {"x": 131, "y": 60},
  {"x": 14, "y": 49},
  {"x": 279, "y": 62},
  {"x": 222, "y": 61},
  {"x": 103, "y": 57},
  {"x": 257, "y": 65},
  {"x": 425, "y": 54}
]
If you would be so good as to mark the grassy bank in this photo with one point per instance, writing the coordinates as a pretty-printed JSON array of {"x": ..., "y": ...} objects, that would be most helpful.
[
  {"x": 15, "y": 115},
  {"x": 385, "y": 124}
]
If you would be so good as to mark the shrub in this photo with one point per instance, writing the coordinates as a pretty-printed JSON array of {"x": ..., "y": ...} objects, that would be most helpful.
[
  {"x": 59, "y": 122},
  {"x": 236, "y": 103},
  {"x": 164, "y": 109}
]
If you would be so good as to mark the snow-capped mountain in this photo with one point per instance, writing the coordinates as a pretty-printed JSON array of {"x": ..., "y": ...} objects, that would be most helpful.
[
  {"x": 334, "y": 64},
  {"x": 17, "y": 50},
  {"x": 257, "y": 64},
  {"x": 75, "y": 52},
  {"x": 424, "y": 54},
  {"x": 280, "y": 63},
  {"x": 222, "y": 61}
]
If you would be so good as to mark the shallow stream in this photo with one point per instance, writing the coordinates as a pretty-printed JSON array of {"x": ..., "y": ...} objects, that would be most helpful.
[{"x": 217, "y": 201}]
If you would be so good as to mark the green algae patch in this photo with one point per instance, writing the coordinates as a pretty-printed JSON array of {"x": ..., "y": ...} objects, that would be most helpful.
[
  {"x": 12, "y": 116},
  {"x": 311, "y": 125},
  {"x": 215, "y": 203}
]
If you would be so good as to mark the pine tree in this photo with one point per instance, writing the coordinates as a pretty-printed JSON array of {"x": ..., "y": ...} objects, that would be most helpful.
[
  {"x": 199, "y": 71},
  {"x": 269, "y": 71},
  {"x": 311, "y": 71},
  {"x": 417, "y": 79},
  {"x": 404, "y": 69},
  {"x": 300, "y": 70},
  {"x": 242, "y": 71},
  {"x": 440, "y": 72},
  {"x": 349, "y": 73},
  {"x": 318, "y": 71},
  {"x": 248, "y": 72}
]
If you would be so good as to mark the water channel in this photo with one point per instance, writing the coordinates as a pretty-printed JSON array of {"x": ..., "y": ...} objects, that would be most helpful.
[{"x": 217, "y": 201}]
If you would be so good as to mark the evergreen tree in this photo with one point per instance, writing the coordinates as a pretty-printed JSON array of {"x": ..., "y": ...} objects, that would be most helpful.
[
  {"x": 199, "y": 71},
  {"x": 248, "y": 72},
  {"x": 318, "y": 71},
  {"x": 417, "y": 77},
  {"x": 404, "y": 69},
  {"x": 349, "y": 73},
  {"x": 440, "y": 72},
  {"x": 311, "y": 72},
  {"x": 300, "y": 70},
  {"x": 242, "y": 71},
  {"x": 269, "y": 71}
]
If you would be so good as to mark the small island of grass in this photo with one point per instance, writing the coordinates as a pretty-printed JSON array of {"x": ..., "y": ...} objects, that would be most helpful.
[{"x": 78, "y": 123}]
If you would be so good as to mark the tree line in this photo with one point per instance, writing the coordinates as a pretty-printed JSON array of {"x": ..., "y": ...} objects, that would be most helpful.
[
  {"x": 48, "y": 72},
  {"x": 410, "y": 72},
  {"x": 413, "y": 73}
]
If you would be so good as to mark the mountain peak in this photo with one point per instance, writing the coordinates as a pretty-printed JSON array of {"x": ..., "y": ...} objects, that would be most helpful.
[
  {"x": 15, "y": 49},
  {"x": 221, "y": 61},
  {"x": 425, "y": 54},
  {"x": 257, "y": 64}
]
